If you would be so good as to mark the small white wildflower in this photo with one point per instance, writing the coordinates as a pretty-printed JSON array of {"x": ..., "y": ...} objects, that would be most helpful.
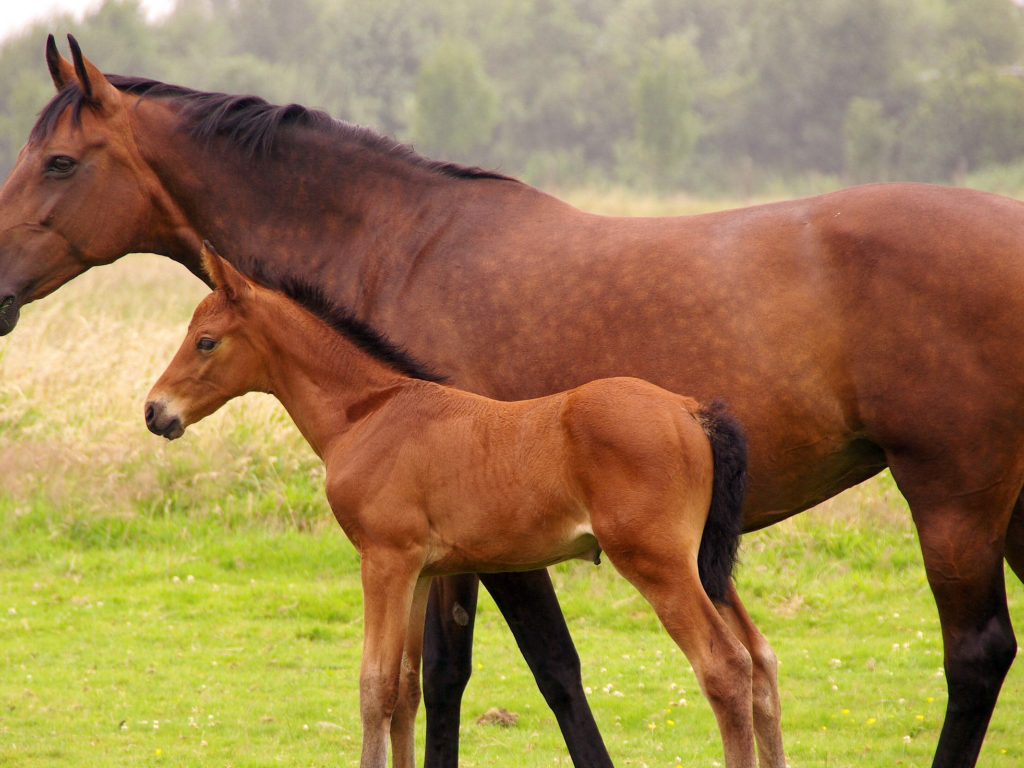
[
  {"x": 305, "y": 727},
  {"x": 175, "y": 580},
  {"x": 190, "y": 577},
  {"x": 835, "y": 663},
  {"x": 586, "y": 690}
]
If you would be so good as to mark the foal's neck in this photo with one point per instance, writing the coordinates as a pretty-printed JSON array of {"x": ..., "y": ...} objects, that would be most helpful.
[{"x": 324, "y": 381}]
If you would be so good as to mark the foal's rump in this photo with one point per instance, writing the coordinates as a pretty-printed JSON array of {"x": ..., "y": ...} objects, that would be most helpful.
[{"x": 653, "y": 463}]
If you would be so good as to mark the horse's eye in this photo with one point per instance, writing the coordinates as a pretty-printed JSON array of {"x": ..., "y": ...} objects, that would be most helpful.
[
  {"x": 206, "y": 344},
  {"x": 60, "y": 164}
]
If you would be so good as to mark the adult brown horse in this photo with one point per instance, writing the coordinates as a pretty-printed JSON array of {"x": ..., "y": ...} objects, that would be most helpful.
[
  {"x": 876, "y": 326},
  {"x": 428, "y": 480}
]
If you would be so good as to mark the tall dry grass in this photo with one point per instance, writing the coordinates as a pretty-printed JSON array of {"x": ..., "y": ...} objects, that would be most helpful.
[{"x": 73, "y": 379}]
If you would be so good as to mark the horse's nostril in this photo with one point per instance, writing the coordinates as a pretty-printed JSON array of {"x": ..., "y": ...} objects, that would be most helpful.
[{"x": 150, "y": 413}]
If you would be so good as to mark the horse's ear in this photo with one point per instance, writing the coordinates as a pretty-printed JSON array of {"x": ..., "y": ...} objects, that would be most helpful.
[
  {"x": 62, "y": 71},
  {"x": 93, "y": 82},
  {"x": 223, "y": 276}
]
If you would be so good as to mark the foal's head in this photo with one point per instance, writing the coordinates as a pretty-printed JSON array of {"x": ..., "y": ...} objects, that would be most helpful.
[{"x": 223, "y": 355}]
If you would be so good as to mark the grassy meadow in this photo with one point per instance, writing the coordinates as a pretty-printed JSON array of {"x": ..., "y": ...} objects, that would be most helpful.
[{"x": 194, "y": 603}]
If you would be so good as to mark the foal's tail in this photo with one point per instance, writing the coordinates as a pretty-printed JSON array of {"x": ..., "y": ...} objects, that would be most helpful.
[{"x": 717, "y": 554}]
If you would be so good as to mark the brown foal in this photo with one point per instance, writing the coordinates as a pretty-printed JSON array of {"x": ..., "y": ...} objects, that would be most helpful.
[{"x": 429, "y": 480}]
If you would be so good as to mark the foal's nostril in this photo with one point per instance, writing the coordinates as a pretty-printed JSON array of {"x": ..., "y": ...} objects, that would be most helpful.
[{"x": 150, "y": 413}]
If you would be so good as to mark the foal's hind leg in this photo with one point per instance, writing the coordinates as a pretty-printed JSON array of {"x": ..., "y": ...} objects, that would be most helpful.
[
  {"x": 962, "y": 541},
  {"x": 660, "y": 568},
  {"x": 765, "y": 682}
]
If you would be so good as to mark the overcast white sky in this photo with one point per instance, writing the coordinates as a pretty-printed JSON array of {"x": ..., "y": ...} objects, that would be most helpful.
[{"x": 15, "y": 15}]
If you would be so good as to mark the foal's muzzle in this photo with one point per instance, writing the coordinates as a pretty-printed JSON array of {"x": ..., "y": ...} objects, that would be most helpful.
[{"x": 161, "y": 423}]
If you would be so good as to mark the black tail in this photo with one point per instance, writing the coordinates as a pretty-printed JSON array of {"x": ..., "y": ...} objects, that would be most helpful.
[{"x": 717, "y": 554}]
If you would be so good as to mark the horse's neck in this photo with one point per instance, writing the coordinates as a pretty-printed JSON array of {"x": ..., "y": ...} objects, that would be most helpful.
[
  {"x": 320, "y": 208},
  {"x": 323, "y": 380}
]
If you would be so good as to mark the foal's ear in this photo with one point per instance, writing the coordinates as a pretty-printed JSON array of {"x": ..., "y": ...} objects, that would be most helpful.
[
  {"x": 62, "y": 71},
  {"x": 93, "y": 82},
  {"x": 223, "y": 276}
]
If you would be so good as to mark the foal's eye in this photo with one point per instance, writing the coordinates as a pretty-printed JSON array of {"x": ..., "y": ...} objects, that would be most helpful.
[
  {"x": 60, "y": 164},
  {"x": 206, "y": 344}
]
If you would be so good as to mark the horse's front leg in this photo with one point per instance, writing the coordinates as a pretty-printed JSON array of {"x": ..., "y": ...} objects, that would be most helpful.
[
  {"x": 528, "y": 603},
  {"x": 403, "y": 720},
  {"x": 389, "y": 583}
]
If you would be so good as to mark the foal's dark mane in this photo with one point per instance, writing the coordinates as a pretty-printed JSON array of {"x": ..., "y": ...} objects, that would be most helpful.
[
  {"x": 313, "y": 299},
  {"x": 249, "y": 122}
]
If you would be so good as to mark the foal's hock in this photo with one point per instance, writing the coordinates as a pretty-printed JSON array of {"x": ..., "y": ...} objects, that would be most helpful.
[{"x": 428, "y": 480}]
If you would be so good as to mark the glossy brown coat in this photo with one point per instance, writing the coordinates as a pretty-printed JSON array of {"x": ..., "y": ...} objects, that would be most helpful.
[{"x": 876, "y": 326}]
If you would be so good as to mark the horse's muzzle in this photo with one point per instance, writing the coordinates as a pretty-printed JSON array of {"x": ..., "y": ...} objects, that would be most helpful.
[
  {"x": 10, "y": 310},
  {"x": 160, "y": 423}
]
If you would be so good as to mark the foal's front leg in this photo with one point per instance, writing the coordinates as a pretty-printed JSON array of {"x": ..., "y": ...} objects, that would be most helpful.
[
  {"x": 389, "y": 582},
  {"x": 403, "y": 721}
]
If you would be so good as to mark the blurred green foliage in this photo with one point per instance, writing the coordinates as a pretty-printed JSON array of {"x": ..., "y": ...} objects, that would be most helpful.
[{"x": 711, "y": 95}]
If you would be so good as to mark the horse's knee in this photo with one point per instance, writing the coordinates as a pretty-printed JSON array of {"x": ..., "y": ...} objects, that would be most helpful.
[
  {"x": 559, "y": 678},
  {"x": 977, "y": 662},
  {"x": 444, "y": 680}
]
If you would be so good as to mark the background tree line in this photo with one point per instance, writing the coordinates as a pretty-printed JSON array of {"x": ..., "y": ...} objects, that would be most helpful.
[{"x": 708, "y": 95}]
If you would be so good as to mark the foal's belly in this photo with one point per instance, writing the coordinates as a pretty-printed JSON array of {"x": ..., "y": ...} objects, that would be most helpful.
[{"x": 523, "y": 542}]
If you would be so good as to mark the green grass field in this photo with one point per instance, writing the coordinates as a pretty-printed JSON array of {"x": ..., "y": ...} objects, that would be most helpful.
[{"x": 194, "y": 603}]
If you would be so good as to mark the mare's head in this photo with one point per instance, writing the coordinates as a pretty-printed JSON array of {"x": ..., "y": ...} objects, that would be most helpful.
[
  {"x": 79, "y": 194},
  {"x": 221, "y": 358}
]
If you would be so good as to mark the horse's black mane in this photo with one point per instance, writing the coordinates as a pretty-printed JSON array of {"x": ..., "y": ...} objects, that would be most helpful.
[
  {"x": 250, "y": 122},
  {"x": 312, "y": 298}
]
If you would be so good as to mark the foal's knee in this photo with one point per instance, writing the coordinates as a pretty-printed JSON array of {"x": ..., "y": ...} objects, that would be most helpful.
[
  {"x": 977, "y": 663},
  {"x": 379, "y": 695},
  {"x": 765, "y": 677},
  {"x": 727, "y": 681}
]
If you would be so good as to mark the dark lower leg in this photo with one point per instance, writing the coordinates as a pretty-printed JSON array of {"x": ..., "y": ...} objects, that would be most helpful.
[
  {"x": 447, "y": 664},
  {"x": 529, "y": 605},
  {"x": 977, "y": 658}
]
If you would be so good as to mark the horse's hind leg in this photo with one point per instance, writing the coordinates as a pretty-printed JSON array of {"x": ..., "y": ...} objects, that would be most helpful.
[
  {"x": 1014, "y": 548},
  {"x": 658, "y": 566},
  {"x": 765, "y": 682},
  {"x": 962, "y": 541}
]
